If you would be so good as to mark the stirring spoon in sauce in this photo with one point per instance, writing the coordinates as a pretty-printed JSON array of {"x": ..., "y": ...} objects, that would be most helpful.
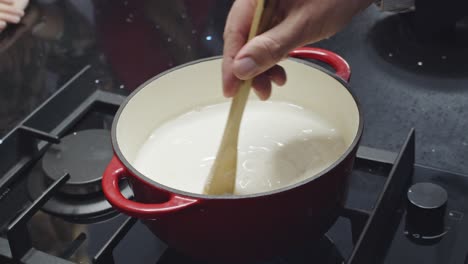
[{"x": 222, "y": 177}]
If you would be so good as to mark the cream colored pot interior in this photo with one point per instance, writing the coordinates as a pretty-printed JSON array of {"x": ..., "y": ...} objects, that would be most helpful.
[{"x": 199, "y": 84}]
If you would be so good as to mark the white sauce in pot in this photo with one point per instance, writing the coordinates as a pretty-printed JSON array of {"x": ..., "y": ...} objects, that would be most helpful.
[{"x": 279, "y": 144}]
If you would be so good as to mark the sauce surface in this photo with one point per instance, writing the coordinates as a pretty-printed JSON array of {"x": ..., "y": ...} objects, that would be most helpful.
[{"x": 279, "y": 144}]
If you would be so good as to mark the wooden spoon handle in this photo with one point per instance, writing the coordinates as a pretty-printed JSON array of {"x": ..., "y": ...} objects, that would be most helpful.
[
  {"x": 223, "y": 174},
  {"x": 260, "y": 23}
]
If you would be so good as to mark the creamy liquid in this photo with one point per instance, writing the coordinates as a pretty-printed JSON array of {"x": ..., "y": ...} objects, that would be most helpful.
[{"x": 279, "y": 144}]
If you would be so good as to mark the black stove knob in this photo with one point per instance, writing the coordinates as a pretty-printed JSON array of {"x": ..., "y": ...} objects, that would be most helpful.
[{"x": 425, "y": 213}]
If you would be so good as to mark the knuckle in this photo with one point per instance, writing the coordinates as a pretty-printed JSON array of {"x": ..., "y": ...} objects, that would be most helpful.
[
  {"x": 227, "y": 32},
  {"x": 232, "y": 35},
  {"x": 273, "y": 48}
]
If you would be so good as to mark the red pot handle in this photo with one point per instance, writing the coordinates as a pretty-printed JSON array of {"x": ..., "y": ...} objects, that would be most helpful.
[
  {"x": 116, "y": 171},
  {"x": 334, "y": 60}
]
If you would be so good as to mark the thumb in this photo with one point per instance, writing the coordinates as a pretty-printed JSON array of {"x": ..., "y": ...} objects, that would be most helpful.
[{"x": 265, "y": 50}]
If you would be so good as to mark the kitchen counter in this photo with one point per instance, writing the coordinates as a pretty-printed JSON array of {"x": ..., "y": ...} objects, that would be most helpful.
[{"x": 401, "y": 82}]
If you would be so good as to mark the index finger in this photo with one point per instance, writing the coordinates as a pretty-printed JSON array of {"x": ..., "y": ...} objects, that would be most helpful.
[{"x": 236, "y": 33}]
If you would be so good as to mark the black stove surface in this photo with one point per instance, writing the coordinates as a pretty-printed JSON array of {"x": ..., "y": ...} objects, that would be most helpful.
[
  {"x": 323, "y": 251},
  {"x": 403, "y": 82}
]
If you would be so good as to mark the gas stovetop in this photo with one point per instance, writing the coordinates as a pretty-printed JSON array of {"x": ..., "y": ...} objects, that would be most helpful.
[{"x": 53, "y": 209}]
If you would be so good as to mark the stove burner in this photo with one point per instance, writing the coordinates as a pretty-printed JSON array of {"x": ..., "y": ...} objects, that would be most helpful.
[
  {"x": 398, "y": 42},
  {"x": 323, "y": 251},
  {"x": 84, "y": 155}
]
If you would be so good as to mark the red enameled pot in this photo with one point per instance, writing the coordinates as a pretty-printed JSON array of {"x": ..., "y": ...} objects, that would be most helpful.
[{"x": 243, "y": 228}]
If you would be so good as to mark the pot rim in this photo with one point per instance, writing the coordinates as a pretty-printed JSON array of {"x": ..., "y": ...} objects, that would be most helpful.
[{"x": 134, "y": 172}]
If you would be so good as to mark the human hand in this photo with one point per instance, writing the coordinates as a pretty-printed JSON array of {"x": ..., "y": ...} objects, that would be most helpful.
[
  {"x": 11, "y": 12},
  {"x": 20, "y": 4},
  {"x": 300, "y": 22}
]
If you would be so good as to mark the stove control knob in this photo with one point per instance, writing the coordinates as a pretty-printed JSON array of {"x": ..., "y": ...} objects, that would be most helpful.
[{"x": 425, "y": 213}]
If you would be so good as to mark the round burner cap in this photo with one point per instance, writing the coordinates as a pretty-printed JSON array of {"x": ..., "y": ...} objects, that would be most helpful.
[{"x": 84, "y": 155}]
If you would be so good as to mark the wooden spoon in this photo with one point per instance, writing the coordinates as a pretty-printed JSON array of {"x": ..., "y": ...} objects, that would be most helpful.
[{"x": 222, "y": 178}]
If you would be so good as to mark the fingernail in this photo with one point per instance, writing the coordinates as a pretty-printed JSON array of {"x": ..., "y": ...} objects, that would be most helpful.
[
  {"x": 262, "y": 96},
  {"x": 245, "y": 68},
  {"x": 259, "y": 95}
]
